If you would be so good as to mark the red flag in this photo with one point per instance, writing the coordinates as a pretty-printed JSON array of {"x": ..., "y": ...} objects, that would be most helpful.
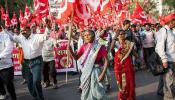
[
  {"x": 22, "y": 20},
  {"x": 125, "y": 2},
  {"x": 135, "y": 21},
  {"x": 139, "y": 14},
  {"x": 62, "y": 9},
  {"x": 165, "y": 19},
  {"x": 14, "y": 20},
  {"x": 151, "y": 19},
  {"x": 94, "y": 4},
  {"x": 7, "y": 20},
  {"x": 105, "y": 6},
  {"x": 82, "y": 11},
  {"x": 2, "y": 13},
  {"x": 27, "y": 14},
  {"x": 118, "y": 5},
  {"x": 36, "y": 19},
  {"x": 123, "y": 15},
  {"x": 41, "y": 8},
  {"x": 161, "y": 20},
  {"x": 113, "y": 2},
  {"x": 21, "y": 16}
]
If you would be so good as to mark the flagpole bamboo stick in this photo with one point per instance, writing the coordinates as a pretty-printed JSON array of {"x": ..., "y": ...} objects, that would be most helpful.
[{"x": 69, "y": 41}]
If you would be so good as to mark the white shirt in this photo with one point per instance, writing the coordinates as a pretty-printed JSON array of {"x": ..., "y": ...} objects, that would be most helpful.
[
  {"x": 6, "y": 47},
  {"x": 174, "y": 31},
  {"x": 149, "y": 39},
  {"x": 32, "y": 47},
  {"x": 48, "y": 50},
  {"x": 166, "y": 35}
]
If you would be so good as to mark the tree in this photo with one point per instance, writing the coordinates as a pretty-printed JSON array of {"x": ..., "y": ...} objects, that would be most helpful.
[
  {"x": 168, "y": 6},
  {"x": 149, "y": 6},
  {"x": 170, "y": 3},
  {"x": 15, "y": 5}
]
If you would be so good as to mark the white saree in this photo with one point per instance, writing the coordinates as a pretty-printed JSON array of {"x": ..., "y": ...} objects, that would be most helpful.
[{"x": 92, "y": 89}]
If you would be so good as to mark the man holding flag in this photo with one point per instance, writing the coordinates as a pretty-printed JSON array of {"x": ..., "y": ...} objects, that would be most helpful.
[{"x": 32, "y": 47}]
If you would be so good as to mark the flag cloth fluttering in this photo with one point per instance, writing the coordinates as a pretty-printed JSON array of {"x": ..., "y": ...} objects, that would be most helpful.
[
  {"x": 61, "y": 10},
  {"x": 27, "y": 13},
  {"x": 14, "y": 20},
  {"x": 2, "y": 13},
  {"x": 7, "y": 20},
  {"x": 41, "y": 8},
  {"x": 105, "y": 6},
  {"x": 82, "y": 12},
  {"x": 22, "y": 20},
  {"x": 139, "y": 14}
]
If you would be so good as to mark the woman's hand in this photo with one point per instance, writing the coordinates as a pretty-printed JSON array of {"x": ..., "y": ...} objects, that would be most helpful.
[
  {"x": 101, "y": 77},
  {"x": 69, "y": 48},
  {"x": 74, "y": 55}
]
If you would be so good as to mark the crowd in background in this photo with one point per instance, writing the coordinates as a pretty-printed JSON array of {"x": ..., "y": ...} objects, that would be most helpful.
[{"x": 126, "y": 49}]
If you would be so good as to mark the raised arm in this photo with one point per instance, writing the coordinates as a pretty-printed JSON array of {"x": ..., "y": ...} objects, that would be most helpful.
[
  {"x": 75, "y": 55},
  {"x": 14, "y": 37},
  {"x": 45, "y": 36}
]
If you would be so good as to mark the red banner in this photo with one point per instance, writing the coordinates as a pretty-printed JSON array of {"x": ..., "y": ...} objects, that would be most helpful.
[
  {"x": 16, "y": 62},
  {"x": 60, "y": 59}
]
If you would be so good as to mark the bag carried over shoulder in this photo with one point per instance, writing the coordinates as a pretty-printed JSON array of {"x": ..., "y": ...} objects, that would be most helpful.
[
  {"x": 155, "y": 61},
  {"x": 155, "y": 64}
]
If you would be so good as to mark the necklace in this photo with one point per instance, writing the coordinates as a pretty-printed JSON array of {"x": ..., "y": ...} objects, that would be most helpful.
[{"x": 124, "y": 50}]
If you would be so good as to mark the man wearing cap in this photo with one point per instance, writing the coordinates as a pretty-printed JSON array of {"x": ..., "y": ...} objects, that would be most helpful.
[
  {"x": 6, "y": 69},
  {"x": 32, "y": 47},
  {"x": 165, "y": 47}
]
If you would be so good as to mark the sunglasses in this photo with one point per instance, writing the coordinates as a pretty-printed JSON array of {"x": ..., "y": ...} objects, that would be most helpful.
[{"x": 121, "y": 33}]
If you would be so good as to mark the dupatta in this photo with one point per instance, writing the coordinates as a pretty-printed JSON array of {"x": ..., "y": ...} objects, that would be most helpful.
[
  {"x": 124, "y": 71},
  {"x": 89, "y": 57}
]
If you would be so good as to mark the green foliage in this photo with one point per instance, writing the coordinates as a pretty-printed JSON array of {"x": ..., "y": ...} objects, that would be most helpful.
[
  {"x": 16, "y": 5},
  {"x": 170, "y": 3},
  {"x": 2, "y": 3},
  {"x": 147, "y": 7}
]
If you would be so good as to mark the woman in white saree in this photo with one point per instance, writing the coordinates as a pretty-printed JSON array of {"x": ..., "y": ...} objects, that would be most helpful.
[{"x": 94, "y": 64}]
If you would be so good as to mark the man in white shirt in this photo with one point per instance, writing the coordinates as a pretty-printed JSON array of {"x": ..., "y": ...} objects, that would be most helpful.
[
  {"x": 49, "y": 61},
  {"x": 32, "y": 45},
  {"x": 6, "y": 69},
  {"x": 148, "y": 43},
  {"x": 165, "y": 47}
]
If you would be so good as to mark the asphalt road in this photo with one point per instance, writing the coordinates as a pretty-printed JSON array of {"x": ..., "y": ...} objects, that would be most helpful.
[{"x": 146, "y": 86}]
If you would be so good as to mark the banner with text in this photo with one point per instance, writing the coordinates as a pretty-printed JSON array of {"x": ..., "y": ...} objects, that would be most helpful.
[
  {"x": 16, "y": 62},
  {"x": 60, "y": 59}
]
